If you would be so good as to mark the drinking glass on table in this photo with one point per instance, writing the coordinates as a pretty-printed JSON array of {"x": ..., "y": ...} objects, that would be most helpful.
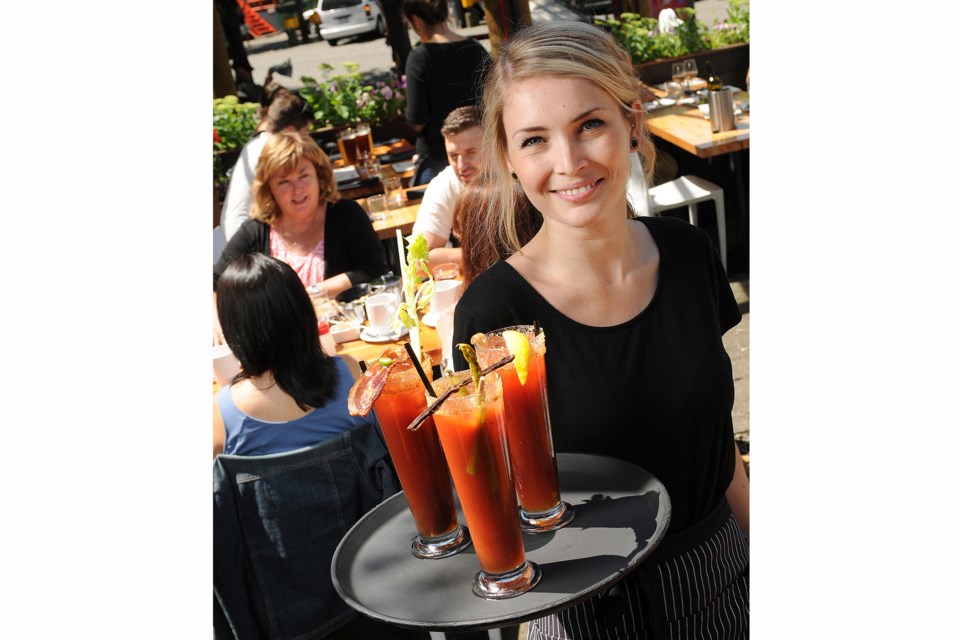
[
  {"x": 420, "y": 463},
  {"x": 445, "y": 271},
  {"x": 363, "y": 139},
  {"x": 689, "y": 71},
  {"x": 674, "y": 90},
  {"x": 377, "y": 206},
  {"x": 346, "y": 141},
  {"x": 529, "y": 435},
  {"x": 396, "y": 196},
  {"x": 677, "y": 73},
  {"x": 474, "y": 444}
]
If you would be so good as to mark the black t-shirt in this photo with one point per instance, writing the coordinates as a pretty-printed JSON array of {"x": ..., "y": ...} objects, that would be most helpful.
[
  {"x": 656, "y": 390},
  {"x": 442, "y": 76}
]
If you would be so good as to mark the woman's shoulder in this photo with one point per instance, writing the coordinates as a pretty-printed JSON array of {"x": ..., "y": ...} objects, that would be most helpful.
[
  {"x": 499, "y": 286},
  {"x": 253, "y": 228},
  {"x": 670, "y": 232},
  {"x": 346, "y": 210}
]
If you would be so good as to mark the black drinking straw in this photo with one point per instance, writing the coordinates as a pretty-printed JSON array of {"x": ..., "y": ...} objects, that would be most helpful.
[
  {"x": 363, "y": 366},
  {"x": 423, "y": 376},
  {"x": 536, "y": 328}
]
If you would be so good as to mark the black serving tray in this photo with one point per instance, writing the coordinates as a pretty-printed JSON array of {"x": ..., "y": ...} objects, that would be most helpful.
[{"x": 621, "y": 514}]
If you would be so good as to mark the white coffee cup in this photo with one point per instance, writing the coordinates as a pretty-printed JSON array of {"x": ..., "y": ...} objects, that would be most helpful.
[
  {"x": 447, "y": 292},
  {"x": 225, "y": 365},
  {"x": 381, "y": 308}
]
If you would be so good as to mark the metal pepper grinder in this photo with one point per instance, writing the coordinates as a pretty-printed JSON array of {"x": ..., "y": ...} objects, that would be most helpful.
[
  {"x": 721, "y": 110},
  {"x": 720, "y": 100}
]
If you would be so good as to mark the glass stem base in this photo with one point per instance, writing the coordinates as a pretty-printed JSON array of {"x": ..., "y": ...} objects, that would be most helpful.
[
  {"x": 441, "y": 546},
  {"x": 543, "y": 521},
  {"x": 499, "y": 586}
]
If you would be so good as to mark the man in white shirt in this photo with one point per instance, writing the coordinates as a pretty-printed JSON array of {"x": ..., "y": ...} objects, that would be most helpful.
[{"x": 461, "y": 137}]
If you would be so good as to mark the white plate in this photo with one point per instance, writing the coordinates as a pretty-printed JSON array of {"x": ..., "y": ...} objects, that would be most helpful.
[
  {"x": 403, "y": 166},
  {"x": 369, "y": 336},
  {"x": 344, "y": 174},
  {"x": 430, "y": 319},
  {"x": 659, "y": 104}
]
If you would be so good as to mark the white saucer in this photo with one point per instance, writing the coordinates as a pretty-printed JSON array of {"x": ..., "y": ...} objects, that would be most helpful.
[
  {"x": 430, "y": 319},
  {"x": 367, "y": 335}
]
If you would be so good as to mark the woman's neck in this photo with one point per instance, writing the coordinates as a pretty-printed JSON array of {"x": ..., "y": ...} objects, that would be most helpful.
[
  {"x": 440, "y": 33},
  {"x": 260, "y": 397},
  {"x": 263, "y": 382},
  {"x": 602, "y": 276},
  {"x": 307, "y": 229},
  {"x": 605, "y": 251}
]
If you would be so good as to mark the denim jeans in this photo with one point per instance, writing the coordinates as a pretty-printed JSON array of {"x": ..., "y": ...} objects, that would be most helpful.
[
  {"x": 427, "y": 170},
  {"x": 277, "y": 522}
]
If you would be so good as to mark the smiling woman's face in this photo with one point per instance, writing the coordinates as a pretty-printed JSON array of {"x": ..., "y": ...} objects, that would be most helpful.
[
  {"x": 298, "y": 192},
  {"x": 568, "y": 141}
]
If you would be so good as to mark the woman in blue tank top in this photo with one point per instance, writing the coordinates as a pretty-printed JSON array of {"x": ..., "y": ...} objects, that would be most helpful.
[{"x": 289, "y": 394}]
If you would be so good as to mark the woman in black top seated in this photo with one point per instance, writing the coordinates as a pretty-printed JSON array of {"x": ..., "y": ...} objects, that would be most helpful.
[
  {"x": 297, "y": 216},
  {"x": 634, "y": 311}
]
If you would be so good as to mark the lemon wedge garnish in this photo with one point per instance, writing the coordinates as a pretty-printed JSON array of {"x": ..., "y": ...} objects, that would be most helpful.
[{"x": 519, "y": 348}]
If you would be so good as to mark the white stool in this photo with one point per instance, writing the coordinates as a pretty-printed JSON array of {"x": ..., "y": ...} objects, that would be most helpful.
[{"x": 689, "y": 190}]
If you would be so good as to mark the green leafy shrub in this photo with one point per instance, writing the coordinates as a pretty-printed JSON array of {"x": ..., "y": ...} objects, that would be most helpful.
[
  {"x": 233, "y": 122},
  {"x": 346, "y": 98},
  {"x": 642, "y": 38}
]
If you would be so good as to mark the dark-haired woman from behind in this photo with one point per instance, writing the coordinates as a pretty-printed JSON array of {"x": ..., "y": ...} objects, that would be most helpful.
[{"x": 289, "y": 394}]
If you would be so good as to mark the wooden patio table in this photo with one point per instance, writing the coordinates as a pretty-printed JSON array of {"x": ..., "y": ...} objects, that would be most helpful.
[
  {"x": 369, "y": 351},
  {"x": 401, "y": 219},
  {"x": 685, "y": 126}
]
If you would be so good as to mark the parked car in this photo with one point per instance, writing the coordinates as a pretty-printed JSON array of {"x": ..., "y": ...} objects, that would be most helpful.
[{"x": 346, "y": 18}]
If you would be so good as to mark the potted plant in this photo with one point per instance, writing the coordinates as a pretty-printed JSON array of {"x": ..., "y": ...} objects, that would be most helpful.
[
  {"x": 234, "y": 123},
  {"x": 726, "y": 44},
  {"x": 345, "y": 99}
]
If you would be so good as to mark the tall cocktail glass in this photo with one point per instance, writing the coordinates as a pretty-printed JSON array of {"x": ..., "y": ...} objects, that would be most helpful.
[
  {"x": 475, "y": 445},
  {"x": 529, "y": 435},
  {"x": 420, "y": 464}
]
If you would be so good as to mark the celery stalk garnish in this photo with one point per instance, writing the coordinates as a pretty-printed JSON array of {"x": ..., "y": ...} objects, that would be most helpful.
[{"x": 417, "y": 291}]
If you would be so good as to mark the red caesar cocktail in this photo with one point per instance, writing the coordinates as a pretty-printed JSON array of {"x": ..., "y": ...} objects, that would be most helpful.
[
  {"x": 529, "y": 435},
  {"x": 474, "y": 443},
  {"x": 418, "y": 459}
]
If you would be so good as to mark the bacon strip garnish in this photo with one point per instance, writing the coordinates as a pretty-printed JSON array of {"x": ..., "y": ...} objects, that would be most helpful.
[{"x": 369, "y": 385}]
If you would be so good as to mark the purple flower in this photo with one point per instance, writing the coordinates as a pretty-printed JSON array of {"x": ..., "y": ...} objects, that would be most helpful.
[{"x": 387, "y": 93}]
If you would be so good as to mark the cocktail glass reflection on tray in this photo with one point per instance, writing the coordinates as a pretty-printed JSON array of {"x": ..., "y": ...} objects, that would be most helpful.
[
  {"x": 420, "y": 463},
  {"x": 474, "y": 443},
  {"x": 529, "y": 435}
]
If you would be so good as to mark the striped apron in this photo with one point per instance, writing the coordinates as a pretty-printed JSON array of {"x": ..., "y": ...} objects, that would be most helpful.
[{"x": 696, "y": 584}]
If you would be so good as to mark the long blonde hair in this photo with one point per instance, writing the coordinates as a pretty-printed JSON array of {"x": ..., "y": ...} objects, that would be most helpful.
[{"x": 563, "y": 49}]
